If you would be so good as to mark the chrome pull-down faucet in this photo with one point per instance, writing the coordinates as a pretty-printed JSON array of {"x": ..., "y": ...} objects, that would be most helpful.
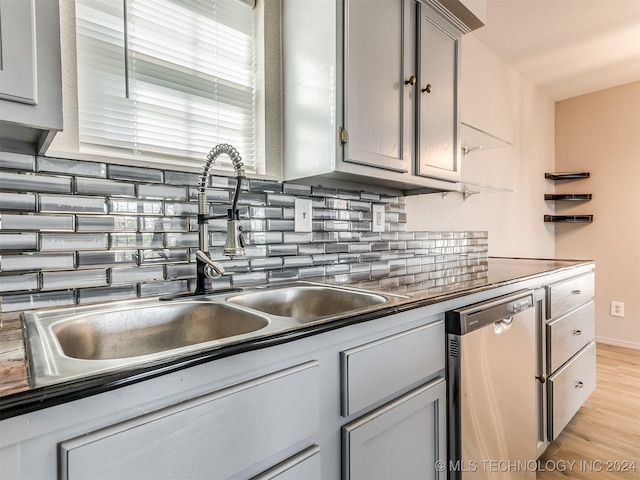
[{"x": 234, "y": 245}]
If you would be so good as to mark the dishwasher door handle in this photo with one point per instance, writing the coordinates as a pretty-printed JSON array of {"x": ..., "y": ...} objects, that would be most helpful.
[{"x": 502, "y": 325}]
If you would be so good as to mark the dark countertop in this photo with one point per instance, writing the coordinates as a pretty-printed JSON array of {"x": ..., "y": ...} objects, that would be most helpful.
[{"x": 17, "y": 396}]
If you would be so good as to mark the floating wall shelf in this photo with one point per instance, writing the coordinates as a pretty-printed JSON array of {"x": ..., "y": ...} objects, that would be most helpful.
[
  {"x": 568, "y": 218},
  {"x": 567, "y": 196},
  {"x": 566, "y": 175},
  {"x": 475, "y": 139}
]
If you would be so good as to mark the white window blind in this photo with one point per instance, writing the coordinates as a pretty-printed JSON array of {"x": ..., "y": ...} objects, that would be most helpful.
[{"x": 166, "y": 77}]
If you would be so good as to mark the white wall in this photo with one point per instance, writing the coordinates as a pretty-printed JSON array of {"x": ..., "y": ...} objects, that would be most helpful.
[
  {"x": 600, "y": 133},
  {"x": 495, "y": 98}
]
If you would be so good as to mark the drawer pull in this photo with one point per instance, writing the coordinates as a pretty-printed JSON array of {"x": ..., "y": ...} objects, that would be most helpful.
[
  {"x": 579, "y": 385},
  {"x": 541, "y": 378},
  {"x": 577, "y": 332},
  {"x": 576, "y": 292}
]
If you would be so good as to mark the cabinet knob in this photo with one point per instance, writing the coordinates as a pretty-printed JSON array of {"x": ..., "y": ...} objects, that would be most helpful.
[
  {"x": 427, "y": 88},
  {"x": 576, "y": 292},
  {"x": 577, "y": 332},
  {"x": 412, "y": 80},
  {"x": 579, "y": 385},
  {"x": 541, "y": 378}
]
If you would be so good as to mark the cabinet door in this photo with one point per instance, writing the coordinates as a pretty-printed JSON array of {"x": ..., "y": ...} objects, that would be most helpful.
[
  {"x": 378, "y": 117},
  {"x": 438, "y": 152},
  {"x": 18, "y": 51},
  {"x": 401, "y": 440}
]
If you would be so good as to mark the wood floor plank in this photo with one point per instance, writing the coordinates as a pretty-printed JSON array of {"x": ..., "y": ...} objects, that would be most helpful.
[{"x": 602, "y": 441}]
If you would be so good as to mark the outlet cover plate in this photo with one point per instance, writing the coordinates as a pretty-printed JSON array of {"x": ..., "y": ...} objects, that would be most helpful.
[
  {"x": 378, "y": 218},
  {"x": 303, "y": 215}
]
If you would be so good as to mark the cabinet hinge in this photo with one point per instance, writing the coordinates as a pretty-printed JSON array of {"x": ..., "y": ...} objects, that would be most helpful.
[{"x": 343, "y": 136}]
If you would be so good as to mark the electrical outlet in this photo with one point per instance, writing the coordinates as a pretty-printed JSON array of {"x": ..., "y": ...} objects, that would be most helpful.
[
  {"x": 617, "y": 309},
  {"x": 378, "y": 218},
  {"x": 303, "y": 214}
]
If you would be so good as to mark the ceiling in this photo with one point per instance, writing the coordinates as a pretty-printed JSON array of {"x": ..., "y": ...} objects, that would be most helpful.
[{"x": 566, "y": 47}]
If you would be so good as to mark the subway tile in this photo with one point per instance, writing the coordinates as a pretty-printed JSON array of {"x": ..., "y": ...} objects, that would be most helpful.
[
  {"x": 324, "y": 237},
  {"x": 336, "y": 248},
  {"x": 135, "y": 240},
  {"x": 36, "y": 261},
  {"x": 364, "y": 267},
  {"x": 359, "y": 247},
  {"x": 173, "y": 240},
  {"x": 163, "y": 288},
  {"x": 280, "y": 200},
  {"x": 16, "y": 283},
  {"x": 220, "y": 283},
  {"x": 348, "y": 258},
  {"x": 311, "y": 249},
  {"x": 71, "y": 203},
  {"x": 336, "y": 204},
  {"x": 299, "y": 261},
  {"x": 317, "y": 202},
  {"x": 137, "y": 274},
  {"x": 360, "y": 206},
  {"x": 348, "y": 194},
  {"x": 71, "y": 167},
  {"x": 107, "y": 294},
  {"x": 235, "y": 265},
  {"x": 280, "y": 225},
  {"x": 217, "y": 239},
  {"x": 296, "y": 237},
  {"x": 17, "y": 161},
  {"x": 282, "y": 275},
  {"x": 106, "y": 223},
  {"x": 184, "y": 270},
  {"x": 360, "y": 226},
  {"x": 369, "y": 197},
  {"x": 324, "y": 192},
  {"x": 255, "y": 251},
  {"x": 252, "y": 225},
  {"x": 246, "y": 279},
  {"x": 108, "y": 258},
  {"x": 135, "y": 207},
  {"x": 101, "y": 186},
  {"x": 339, "y": 269},
  {"x": 311, "y": 272},
  {"x": 73, "y": 279},
  {"x": 264, "y": 238},
  {"x": 266, "y": 263},
  {"x": 181, "y": 178},
  {"x": 370, "y": 256},
  {"x": 296, "y": 189},
  {"x": 317, "y": 226},
  {"x": 212, "y": 195},
  {"x": 174, "y": 255},
  {"x": 379, "y": 246},
  {"x": 388, "y": 236},
  {"x": 349, "y": 236},
  {"x": 219, "y": 181},
  {"x": 370, "y": 237},
  {"x": 325, "y": 259},
  {"x": 178, "y": 209},
  {"x": 269, "y": 186},
  {"x": 281, "y": 250},
  {"x": 396, "y": 227},
  {"x": 61, "y": 242},
  {"x": 252, "y": 199},
  {"x": 134, "y": 174},
  {"x": 18, "y": 241},
  {"x": 30, "y": 182},
  {"x": 29, "y": 301},
  {"x": 52, "y": 223},
  {"x": 265, "y": 212},
  {"x": 23, "y": 202},
  {"x": 217, "y": 225}
]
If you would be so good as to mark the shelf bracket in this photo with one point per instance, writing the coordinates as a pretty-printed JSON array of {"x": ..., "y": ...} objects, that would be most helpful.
[{"x": 466, "y": 150}]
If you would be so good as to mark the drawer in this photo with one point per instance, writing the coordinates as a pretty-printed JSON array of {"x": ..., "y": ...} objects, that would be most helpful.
[
  {"x": 223, "y": 433},
  {"x": 568, "y": 334},
  {"x": 305, "y": 465},
  {"x": 564, "y": 296},
  {"x": 377, "y": 370},
  {"x": 569, "y": 387}
]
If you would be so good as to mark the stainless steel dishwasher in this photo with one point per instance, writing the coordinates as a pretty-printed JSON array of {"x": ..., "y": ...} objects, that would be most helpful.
[{"x": 492, "y": 357}]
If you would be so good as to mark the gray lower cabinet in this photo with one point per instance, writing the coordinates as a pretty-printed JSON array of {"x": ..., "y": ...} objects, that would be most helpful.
[
  {"x": 218, "y": 435},
  {"x": 401, "y": 440},
  {"x": 570, "y": 349},
  {"x": 305, "y": 465}
]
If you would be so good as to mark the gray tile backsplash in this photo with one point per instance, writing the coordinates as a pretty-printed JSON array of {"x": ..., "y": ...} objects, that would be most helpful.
[{"x": 74, "y": 232}]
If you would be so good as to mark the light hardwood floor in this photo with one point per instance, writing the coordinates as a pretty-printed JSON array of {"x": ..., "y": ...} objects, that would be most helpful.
[{"x": 607, "y": 427}]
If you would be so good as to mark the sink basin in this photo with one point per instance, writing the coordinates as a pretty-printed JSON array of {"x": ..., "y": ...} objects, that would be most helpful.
[
  {"x": 80, "y": 341},
  {"x": 142, "y": 331},
  {"x": 307, "y": 301}
]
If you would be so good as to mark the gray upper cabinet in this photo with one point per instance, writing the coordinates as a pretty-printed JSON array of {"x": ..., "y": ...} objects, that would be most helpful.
[
  {"x": 357, "y": 108},
  {"x": 30, "y": 75},
  {"x": 378, "y": 116},
  {"x": 437, "y": 126}
]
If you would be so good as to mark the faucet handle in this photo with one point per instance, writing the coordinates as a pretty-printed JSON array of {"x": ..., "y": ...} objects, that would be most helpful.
[{"x": 211, "y": 269}]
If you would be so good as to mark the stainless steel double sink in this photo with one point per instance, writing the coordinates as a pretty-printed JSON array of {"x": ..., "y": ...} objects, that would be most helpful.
[{"x": 76, "y": 342}]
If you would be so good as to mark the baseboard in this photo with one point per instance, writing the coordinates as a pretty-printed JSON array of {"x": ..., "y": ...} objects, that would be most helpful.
[{"x": 618, "y": 343}]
